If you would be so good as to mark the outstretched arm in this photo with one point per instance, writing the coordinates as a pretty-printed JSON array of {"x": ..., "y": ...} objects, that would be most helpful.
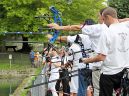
[
  {"x": 60, "y": 38},
  {"x": 124, "y": 19},
  {"x": 65, "y": 28}
]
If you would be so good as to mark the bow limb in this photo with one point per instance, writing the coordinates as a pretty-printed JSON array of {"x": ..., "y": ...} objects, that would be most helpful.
[{"x": 57, "y": 19}]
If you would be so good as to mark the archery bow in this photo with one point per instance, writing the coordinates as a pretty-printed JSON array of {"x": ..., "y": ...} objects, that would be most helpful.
[{"x": 57, "y": 19}]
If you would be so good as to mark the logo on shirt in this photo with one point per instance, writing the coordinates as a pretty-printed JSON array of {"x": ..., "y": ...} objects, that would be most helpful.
[{"x": 123, "y": 42}]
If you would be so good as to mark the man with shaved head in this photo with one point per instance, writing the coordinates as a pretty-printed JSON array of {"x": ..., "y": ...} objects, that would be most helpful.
[{"x": 113, "y": 50}]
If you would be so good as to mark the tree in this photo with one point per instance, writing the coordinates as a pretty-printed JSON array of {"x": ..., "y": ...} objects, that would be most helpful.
[
  {"x": 122, "y": 7},
  {"x": 19, "y": 15},
  {"x": 78, "y": 10}
]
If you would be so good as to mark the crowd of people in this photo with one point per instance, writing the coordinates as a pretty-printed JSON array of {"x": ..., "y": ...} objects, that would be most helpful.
[
  {"x": 35, "y": 59},
  {"x": 93, "y": 63}
]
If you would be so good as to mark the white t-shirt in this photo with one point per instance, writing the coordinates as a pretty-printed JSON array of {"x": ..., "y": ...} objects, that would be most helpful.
[
  {"x": 85, "y": 40},
  {"x": 55, "y": 69},
  {"x": 94, "y": 32},
  {"x": 65, "y": 59},
  {"x": 76, "y": 47},
  {"x": 114, "y": 43}
]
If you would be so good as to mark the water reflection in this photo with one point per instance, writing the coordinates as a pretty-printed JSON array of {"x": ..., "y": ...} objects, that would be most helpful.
[{"x": 7, "y": 86}]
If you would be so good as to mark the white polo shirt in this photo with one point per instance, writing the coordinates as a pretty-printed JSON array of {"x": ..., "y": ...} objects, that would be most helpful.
[
  {"x": 76, "y": 47},
  {"x": 114, "y": 43}
]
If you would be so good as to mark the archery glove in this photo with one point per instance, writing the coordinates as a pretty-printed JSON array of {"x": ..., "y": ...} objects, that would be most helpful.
[
  {"x": 48, "y": 59},
  {"x": 80, "y": 60}
]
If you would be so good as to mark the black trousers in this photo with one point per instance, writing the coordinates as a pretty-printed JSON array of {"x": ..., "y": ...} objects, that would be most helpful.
[
  {"x": 65, "y": 82},
  {"x": 110, "y": 82}
]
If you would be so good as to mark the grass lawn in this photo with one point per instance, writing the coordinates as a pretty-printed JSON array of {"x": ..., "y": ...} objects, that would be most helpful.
[
  {"x": 19, "y": 61},
  {"x": 5, "y": 66}
]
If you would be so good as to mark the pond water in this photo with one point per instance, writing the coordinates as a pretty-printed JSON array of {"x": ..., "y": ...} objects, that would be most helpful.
[{"x": 7, "y": 86}]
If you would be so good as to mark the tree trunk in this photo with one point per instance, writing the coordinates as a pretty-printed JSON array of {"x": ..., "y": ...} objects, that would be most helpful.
[{"x": 25, "y": 46}]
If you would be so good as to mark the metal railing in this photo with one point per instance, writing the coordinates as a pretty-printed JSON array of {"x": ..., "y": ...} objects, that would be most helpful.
[
  {"x": 17, "y": 58},
  {"x": 40, "y": 90}
]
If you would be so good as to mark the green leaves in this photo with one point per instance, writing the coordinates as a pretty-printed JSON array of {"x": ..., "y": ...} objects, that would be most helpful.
[
  {"x": 19, "y": 15},
  {"x": 122, "y": 7}
]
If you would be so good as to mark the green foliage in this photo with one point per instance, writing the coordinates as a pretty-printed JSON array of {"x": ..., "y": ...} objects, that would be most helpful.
[
  {"x": 122, "y": 7},
  {"x": 19, "y": 15},
  {"x": 77, "y": 11}
]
